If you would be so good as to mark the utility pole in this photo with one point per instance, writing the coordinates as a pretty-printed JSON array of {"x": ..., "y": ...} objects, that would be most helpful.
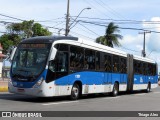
[
  {"x": 143, "y": 51},
  {"x": 67, "y": 20}
]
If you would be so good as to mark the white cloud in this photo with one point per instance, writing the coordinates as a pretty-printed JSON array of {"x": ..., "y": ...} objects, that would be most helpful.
[
  {"x": 154, "y": 39},
  {"x": 135, "y": 42},
  {"x": 132, "y": 44}
]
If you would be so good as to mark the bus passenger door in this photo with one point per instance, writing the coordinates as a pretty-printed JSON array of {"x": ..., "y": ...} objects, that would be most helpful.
[{"x": 58, "y": 68}]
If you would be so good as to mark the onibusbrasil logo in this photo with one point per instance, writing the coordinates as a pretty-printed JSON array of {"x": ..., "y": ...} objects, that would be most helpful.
[{"x": 21, "y": 114}]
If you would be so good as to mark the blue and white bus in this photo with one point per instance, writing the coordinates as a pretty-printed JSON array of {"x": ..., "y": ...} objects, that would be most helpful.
[{"x": 70, "y": 66}]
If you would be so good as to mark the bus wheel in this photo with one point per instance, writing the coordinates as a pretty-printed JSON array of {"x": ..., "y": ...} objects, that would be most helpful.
[
  {"x": 115, "y": 90},
  {"x": 148, "y": 88},
  {"x": 75, "y": 92}
]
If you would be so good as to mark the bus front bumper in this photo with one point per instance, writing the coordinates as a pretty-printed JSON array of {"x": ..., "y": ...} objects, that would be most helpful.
[{"x": 39, "y": 92}]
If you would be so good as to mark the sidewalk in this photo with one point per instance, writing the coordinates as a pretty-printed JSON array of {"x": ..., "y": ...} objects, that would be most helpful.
[{"x": 3, "y": 85}]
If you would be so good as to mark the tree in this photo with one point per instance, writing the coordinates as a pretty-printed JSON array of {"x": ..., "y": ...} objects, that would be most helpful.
[
  {"x": 102, "y": 40},
  {"x": 18, "y": 31},
  {"x": 38, "y": 30},
  {"x": 28, "y": 29},
  {"x": 8, "y": 40},
  {"x": 111, "y": 37}
]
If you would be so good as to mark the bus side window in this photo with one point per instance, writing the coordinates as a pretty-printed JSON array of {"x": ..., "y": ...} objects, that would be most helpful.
[
  {"x": 62, "y": 62},
  {"x": 141, "y": 68},
  {"x": 115, "y": 63},
  {"x": 145, "y": 68},
  {"x": 138, "y": 67},
  {"x": 97, "y": 61},
  {"x": 76, "y": 58},
  {"x": 153, "y": 69},
  {"x": 123, "y": 65},
  {"x": 89, "y": 59},
  {"x": 107, "y": 63}
]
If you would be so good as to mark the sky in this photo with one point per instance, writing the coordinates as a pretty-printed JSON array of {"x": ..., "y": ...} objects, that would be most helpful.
[{"x": 132, "y": 16}]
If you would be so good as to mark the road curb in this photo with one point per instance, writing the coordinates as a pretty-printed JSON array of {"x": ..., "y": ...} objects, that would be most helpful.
[{"x": 4, "y": 89}]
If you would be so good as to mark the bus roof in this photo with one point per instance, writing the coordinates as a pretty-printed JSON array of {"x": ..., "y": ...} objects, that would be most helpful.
[
  {"x": 47, "y": 39},
  {"x": 104, "y": 48},
  {"x": 144, "y": 59}
]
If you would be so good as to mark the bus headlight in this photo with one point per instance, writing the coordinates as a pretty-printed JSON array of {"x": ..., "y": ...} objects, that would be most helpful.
[{"x": 39, "y": 82}]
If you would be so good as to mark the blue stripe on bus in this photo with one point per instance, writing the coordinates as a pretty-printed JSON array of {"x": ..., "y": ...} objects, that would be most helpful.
[
  {"x": 142, "y": 79},
  {"x": 90, "y": 78}
]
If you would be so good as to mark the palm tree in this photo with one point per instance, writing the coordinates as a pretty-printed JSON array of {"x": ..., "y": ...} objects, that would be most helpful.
[
  {"x": 102, "y": 40},
  {"x": 111, "y": 37}
]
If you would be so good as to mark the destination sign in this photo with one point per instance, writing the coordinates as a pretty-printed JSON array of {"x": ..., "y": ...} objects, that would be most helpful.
[{"x": 33, "y": 46}]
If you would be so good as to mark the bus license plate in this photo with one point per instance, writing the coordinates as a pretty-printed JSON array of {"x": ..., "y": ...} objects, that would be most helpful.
[{"x": 20, "y": 90}]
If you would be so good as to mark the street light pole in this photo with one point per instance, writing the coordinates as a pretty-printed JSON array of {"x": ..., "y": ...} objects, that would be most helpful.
[
  {"x": 151, "y": 52},
  {"x": 143, "y": 51},
  {"x": 88, "y": 8},
  {"x": 67, "y": 19}
]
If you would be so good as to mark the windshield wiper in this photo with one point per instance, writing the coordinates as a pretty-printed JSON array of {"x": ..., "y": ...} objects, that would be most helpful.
[{"x": 23, "y": 70}]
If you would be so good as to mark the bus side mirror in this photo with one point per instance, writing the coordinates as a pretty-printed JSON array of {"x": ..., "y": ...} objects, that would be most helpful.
[
  {"x": 53, "y": 54},
  {"x": 12, "y": 53}
]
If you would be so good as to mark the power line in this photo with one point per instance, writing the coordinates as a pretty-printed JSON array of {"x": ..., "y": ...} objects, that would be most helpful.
[
  {"x": 97, "y": 9},
  {"x": 15, "y": 18},
  {"x": 129, "y": 49},
  {"x": 51, "y": 20},
  {"x": 11, "y": 17},
  {"x": 103, "y": 5},
  {"x": 86, "y": 31},
  {"x": 89, "y": 29},
  {"x": 82, "y": 35},
  {"x": 122, "y": 20},
  {"x": 128, "y": 28}
]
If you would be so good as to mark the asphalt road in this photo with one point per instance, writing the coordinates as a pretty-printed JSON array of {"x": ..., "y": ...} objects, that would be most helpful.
[{"x": 138, "y": 101}]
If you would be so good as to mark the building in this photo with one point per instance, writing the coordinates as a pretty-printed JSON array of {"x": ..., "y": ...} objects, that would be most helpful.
[{"x": 2, "y": 56}]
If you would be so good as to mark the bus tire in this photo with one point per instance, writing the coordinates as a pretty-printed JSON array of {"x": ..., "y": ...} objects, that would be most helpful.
[
  {"x": 148, "y": 88},
  {"x": 115, "y": 90},
  {"x": 75, "y": 92}
]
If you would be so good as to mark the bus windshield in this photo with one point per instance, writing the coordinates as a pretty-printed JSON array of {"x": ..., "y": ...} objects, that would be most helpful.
[{"x": 29, "y": 61}]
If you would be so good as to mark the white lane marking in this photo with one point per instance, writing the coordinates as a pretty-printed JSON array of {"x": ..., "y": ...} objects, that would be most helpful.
[
  {"x": 140, "y": 94},
  {"x": 156, "y": 92},
  {"x": 5, "y": 93},
  {"x": 111, "y": 97},
  {"x": 57, "y": 103}
]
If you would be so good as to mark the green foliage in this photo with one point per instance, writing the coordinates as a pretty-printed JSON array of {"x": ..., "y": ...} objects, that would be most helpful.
[
  {"x": 6, "y": 42},
  {"x": 110, "y": 38},
  {"x": 28, "y": 29},
  {"x": 19, "y": 31},
  {"x": 102, "y": 40},
  {"x": 38, "y": 30}
]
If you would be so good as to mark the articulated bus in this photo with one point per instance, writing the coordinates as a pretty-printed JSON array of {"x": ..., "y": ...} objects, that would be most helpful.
[{"x": 70, "y": 66}]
